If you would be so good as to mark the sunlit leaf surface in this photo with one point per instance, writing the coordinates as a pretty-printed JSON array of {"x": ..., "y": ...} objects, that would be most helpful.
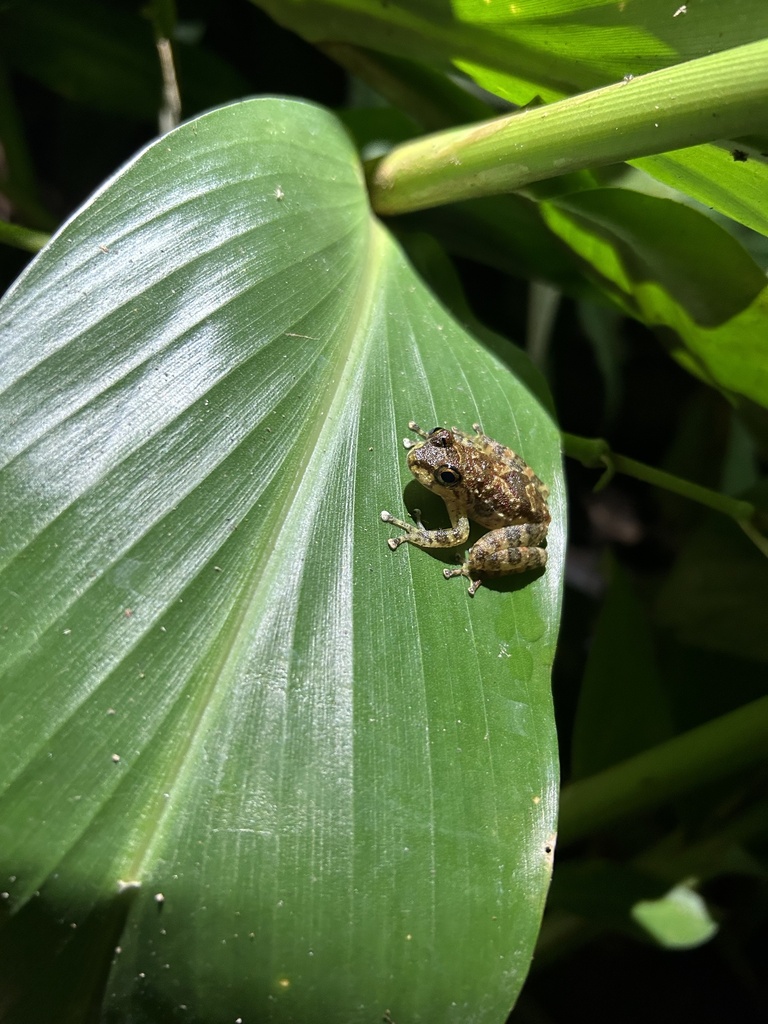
[
  {"x": 291, "y": 774},
  {"x": 732, "y": 179}
]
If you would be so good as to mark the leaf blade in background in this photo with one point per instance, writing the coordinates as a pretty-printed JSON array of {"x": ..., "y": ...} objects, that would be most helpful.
[
  {"x": 309, "y": 762},
  {"x": 551, "y": 48},
  {"x": 717, "y": 334},
  {"x": 621, "y": 691},
  {"x": 736, "y": 186},
  {"x": 525, "y": 55}
]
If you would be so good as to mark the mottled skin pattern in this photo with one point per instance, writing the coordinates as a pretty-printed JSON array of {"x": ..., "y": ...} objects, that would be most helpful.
[{"x": 478, "y": 479}]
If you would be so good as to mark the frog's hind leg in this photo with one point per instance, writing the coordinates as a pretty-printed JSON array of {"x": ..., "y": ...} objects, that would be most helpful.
[{"x": 507, "y": 550}]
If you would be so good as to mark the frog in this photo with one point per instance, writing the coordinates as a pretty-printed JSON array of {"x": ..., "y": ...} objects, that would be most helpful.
[{"x": 481, "y": 480}]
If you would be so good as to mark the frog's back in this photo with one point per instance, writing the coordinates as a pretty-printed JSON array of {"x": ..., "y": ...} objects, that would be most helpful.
[{"x": 503, "y": 490}]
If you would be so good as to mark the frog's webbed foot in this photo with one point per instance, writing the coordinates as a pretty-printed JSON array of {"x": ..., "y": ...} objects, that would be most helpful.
[
  {"x": 394, "y": 542},
  {"x": 417, "y": 429},
  {"x": 412, "y": 533},
  {"x": 419, "y": 535},
  {"x": 426, "y": 434},
  {"x": 463, "y": 570}
]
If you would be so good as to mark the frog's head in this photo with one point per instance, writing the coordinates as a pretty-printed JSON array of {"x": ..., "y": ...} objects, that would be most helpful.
[{"x": 436, "y": 462}]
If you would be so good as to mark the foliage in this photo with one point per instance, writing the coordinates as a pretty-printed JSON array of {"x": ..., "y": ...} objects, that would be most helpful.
[{"x": 255, "y": 765}]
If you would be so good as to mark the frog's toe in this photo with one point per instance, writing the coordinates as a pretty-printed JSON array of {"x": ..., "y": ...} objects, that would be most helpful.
[
  {"x": 416, "y": 517},
  {"x": 395, "y": 542},
  {"x": 387, "y": 517},
  {"x": 463, "y": 570}
]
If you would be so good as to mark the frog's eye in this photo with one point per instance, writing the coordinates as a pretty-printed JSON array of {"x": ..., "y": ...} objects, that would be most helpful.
[
  {"x": 447, "y": 475},
  {"x": 443, "y": 440}
]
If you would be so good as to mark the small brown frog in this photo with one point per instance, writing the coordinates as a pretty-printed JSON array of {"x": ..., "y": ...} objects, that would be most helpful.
[{"x": 478, "y": 479}]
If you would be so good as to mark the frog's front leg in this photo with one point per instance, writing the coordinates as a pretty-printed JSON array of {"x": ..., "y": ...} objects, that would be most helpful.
[
  {"x": 424, "y": 538},
  {"x": 509, "y": 549}
]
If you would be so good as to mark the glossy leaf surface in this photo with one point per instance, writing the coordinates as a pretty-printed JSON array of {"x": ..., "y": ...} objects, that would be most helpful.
[{"x": 292, "y": 774}]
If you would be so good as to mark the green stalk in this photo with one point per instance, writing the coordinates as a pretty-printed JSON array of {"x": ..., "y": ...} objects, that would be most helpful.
[
  {"x": 723, "y": 95},
  {"x": 595, "y": 453},
  {"x": 22, "y": 238},
  {"x": 654, "y": 778}
]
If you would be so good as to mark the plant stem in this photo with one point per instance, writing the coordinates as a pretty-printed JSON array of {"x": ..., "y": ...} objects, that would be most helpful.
[
  {"x": 722, "y": 95},
  {"x": 22, "y": 238},
  {"x": 710, "y": 752},
  {"x": 595, "y": 452}
]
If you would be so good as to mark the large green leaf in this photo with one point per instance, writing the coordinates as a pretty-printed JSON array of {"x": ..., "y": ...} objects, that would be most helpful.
[{"x": 292, "y": 774}]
